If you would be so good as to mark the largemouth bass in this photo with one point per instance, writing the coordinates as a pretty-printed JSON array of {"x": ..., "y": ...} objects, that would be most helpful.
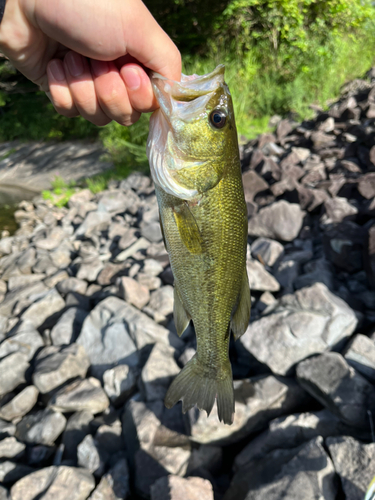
[{"x": 194, "y": 160}]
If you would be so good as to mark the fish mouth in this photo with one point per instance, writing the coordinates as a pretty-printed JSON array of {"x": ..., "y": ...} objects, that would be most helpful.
[{"x": 186, "y": 99}]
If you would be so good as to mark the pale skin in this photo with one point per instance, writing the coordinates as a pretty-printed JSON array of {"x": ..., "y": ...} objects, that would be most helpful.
[{"x": 90, "y": 57}]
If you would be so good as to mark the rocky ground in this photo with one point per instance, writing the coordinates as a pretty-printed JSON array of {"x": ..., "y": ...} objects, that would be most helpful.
[{"x": 88, "y": 346}]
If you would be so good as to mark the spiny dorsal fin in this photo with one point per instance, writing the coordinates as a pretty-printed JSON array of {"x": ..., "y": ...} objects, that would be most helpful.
[
  {"x": 188, "y": 229},
  {"x": 241, "y": 317},
  {"x": 181, "y": 317}
]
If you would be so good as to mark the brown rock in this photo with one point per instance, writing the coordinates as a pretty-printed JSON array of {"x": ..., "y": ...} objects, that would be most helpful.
[
  {"x": 253, "y": 184},
  {"x": 134, "y": 293}
]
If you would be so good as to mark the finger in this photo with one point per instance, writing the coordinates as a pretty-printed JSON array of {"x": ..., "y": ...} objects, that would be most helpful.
[
  {"x": 82, "y": 88},
  {"x": 139, "y": 88},
  {"x": 59, "y": 92},
  {"x": 112, "y": 94}
]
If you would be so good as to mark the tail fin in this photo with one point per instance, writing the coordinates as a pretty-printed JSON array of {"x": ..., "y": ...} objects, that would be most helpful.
[{"x": 194, "y": 385}]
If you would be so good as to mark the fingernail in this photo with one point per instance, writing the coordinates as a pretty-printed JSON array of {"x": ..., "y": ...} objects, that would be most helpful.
[
  {"x": 131, "y": 77},
  {"x": 75, "y": 63},
  {"x": 57, "y": 71},
  {"x": 99, "y": 67}
]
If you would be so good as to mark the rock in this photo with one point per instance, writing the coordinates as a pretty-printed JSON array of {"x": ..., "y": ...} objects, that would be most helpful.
[
  {"x": 354, "y": 463},
  {"x": 6, "y": 429},
  {"x": 305, "y": 323},
  {"x": 369, "y": 256},
  {"x": 44, "y": 309},
  {"x": 152, "y": 267},
  {"x": 6, "y": 307},
  {"x": 285, "y": 474},
  {"x": 90, "y": 457},
  {"x": 72, "y": 285},
  {"x": 108, "y": 438},
  {"x": 11, "y": 448},
  {"x": 68, "y": 327},
  {"x": 127, "y": 238},
  {"x": 4, "y": 494},
  {"x": 52, "y": 281},
  {"x": 6, "y": 245},
  {"x": 12, "y": 371},
  {"x": 90, "y": 269},
  {"x": 267, "y": 251},
  {"x": 15, "y": 282},
  {"x": 76, "y": 430},
  {"x": 257, "y": 402},
  {"x": 134, "y": 293},
  {"x": 54, "y": 483},
  {"x": 289, "y": 432},
  {"x": 179, "y": 488},
  {"x": 159, "y": 371},
  {"x": 152, "y": 232},
  {"x": 330, "y": 380},
  {"x": 281, "y": 220},
  {"x": 161, "y": 300},
  {"x": 140, "y": 244},
  {"x": 80, "y": 395},
  {"x": 41, "y": 427},
  {"x": 205, "y": 457},
  {"x": 150, "y": 282},
  {"x": 266, "y": 301},
  {"x": 302, "y": 153},
  {"x": 53, "y": 240},
  {"x": 253, "y": 184},
  {"x": 116, "y": 201},
  {"x": 110, "y": 343},
  {"x": 155, "y": 450},
  {"x": 95, "y": 222},
  {"x": 259, "y": 278},
  {"x": 119, "y": 383},
  {"x": 24, "y": 339},
  {"x": 339, "y": 209},
  {"x": 114, "y": 485},
  {"x": 343, "y": 245},
  {"x": 108, "y": 274},
  {"x": 11, "y": 471},
  {"x": 56, "y": 365},
  {"x": 366, "y": 185},
  {"x": 20, "y": 404},
  {"x": 360, "y": 354},
  {"x": 284, "y": 128}
]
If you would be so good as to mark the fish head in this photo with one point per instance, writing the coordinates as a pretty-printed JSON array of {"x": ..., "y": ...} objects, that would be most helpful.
[{"x": 192, "y": 135}]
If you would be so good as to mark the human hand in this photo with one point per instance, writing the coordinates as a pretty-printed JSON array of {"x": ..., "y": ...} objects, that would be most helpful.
[{"x": 89, "y": 56}]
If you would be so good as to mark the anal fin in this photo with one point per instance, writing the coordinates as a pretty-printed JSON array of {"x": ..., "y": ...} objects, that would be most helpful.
[
  {"x": 241, "y": 317},
  {"x": 181, "y": 317}
]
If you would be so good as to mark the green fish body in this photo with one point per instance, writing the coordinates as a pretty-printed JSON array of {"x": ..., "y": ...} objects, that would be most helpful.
[{"x": 194, "y": 159}]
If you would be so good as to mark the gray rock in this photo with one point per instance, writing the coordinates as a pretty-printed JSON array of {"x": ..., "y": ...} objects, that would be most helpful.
[
  {"x": 152, "y": 232},
  {"x": 11, "y": 471},
  {"x": 156, "y": 451},
  {"x": 45, "y": 265},
  {"x": 56, "y": 365},
  {"x": 134, "y": 293},
  {"x": 90, "y": 269},
  {"x": 40, "y": 453},
  {"x": 310, "y": 471},
  {"x": 161, "y": 300},
  {"x": 41, "y": 427},
  {"x": 114, "y": 485},
  {"x": 281, "y": 220},
  {"x": 72, "y": 285},
  {"x": 76, "y": 430},
  {"x": 338, "y": 209},
  {"x": 44, "y": 308},
  {"x": 4, "y": 493},
  {"x": 305, "y": 323},
  {"x": 152, "y": 267},
  {"x": 339, "y": 387},
  {"x": 53, "y": 280},
  {"x": 150, "y": 282},
  {"x": 53, "y": 240},
  {"x": 360, "y": 354},
  {"x": 116, "y": 201},
  {"x": 11, "y": 448},
  {"x": 80, "y": 197},
  {"x": 354, "y": 463},
  {"x": 24, "y": 339},
  {"x": 205, "y": 457},
  {"x": 257, "y": 402},
  {"x": 26, "y": 260},
  {"x": 20, "y": 404},
  {"x": 267, "y": 251},
  {"x": 259, "y": 278},
  {"x": 319, "y": 270},
  {"x": 95, "y": 222},
  {"x": 80, "y": 395},
  {"x": 6, "y": 245},
  {"x": 90, "y": 457},
  {"x": 159, "y": 371},
  {"x": 12, "y": 371},
  {"x": 119, "y": 383},
  {"x": 15, "y": 282},
  {"x": 68, "y": 327},
  {"x": 292, "y": 431},
  {"x": 140, "y": 244},
  {"x": 127, "y": 239},
  {"x": 54, "y": 483},
  {"x": 6, "y": 307},
  {"x": 179, "y": 488}
]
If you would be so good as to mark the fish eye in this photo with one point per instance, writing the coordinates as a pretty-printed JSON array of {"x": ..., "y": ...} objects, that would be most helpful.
[{"x": 218, "y": 118}]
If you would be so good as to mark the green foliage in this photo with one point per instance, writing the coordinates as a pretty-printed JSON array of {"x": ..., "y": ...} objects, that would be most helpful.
[{"x": 61, "y": 192}]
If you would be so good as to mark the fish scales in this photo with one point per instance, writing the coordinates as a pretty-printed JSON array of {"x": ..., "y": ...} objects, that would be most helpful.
[{"x": 198, "y": 183}]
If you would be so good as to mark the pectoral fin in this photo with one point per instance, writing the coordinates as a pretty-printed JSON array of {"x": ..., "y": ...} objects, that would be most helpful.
[
  {"x": 188, "y": 229},
  {"x": 241, "y": 317},
  {"x": 181, "y": 317}
]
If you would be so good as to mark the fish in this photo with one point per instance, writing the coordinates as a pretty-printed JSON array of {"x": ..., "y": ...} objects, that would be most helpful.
[{"x": 193, "y": 154}]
